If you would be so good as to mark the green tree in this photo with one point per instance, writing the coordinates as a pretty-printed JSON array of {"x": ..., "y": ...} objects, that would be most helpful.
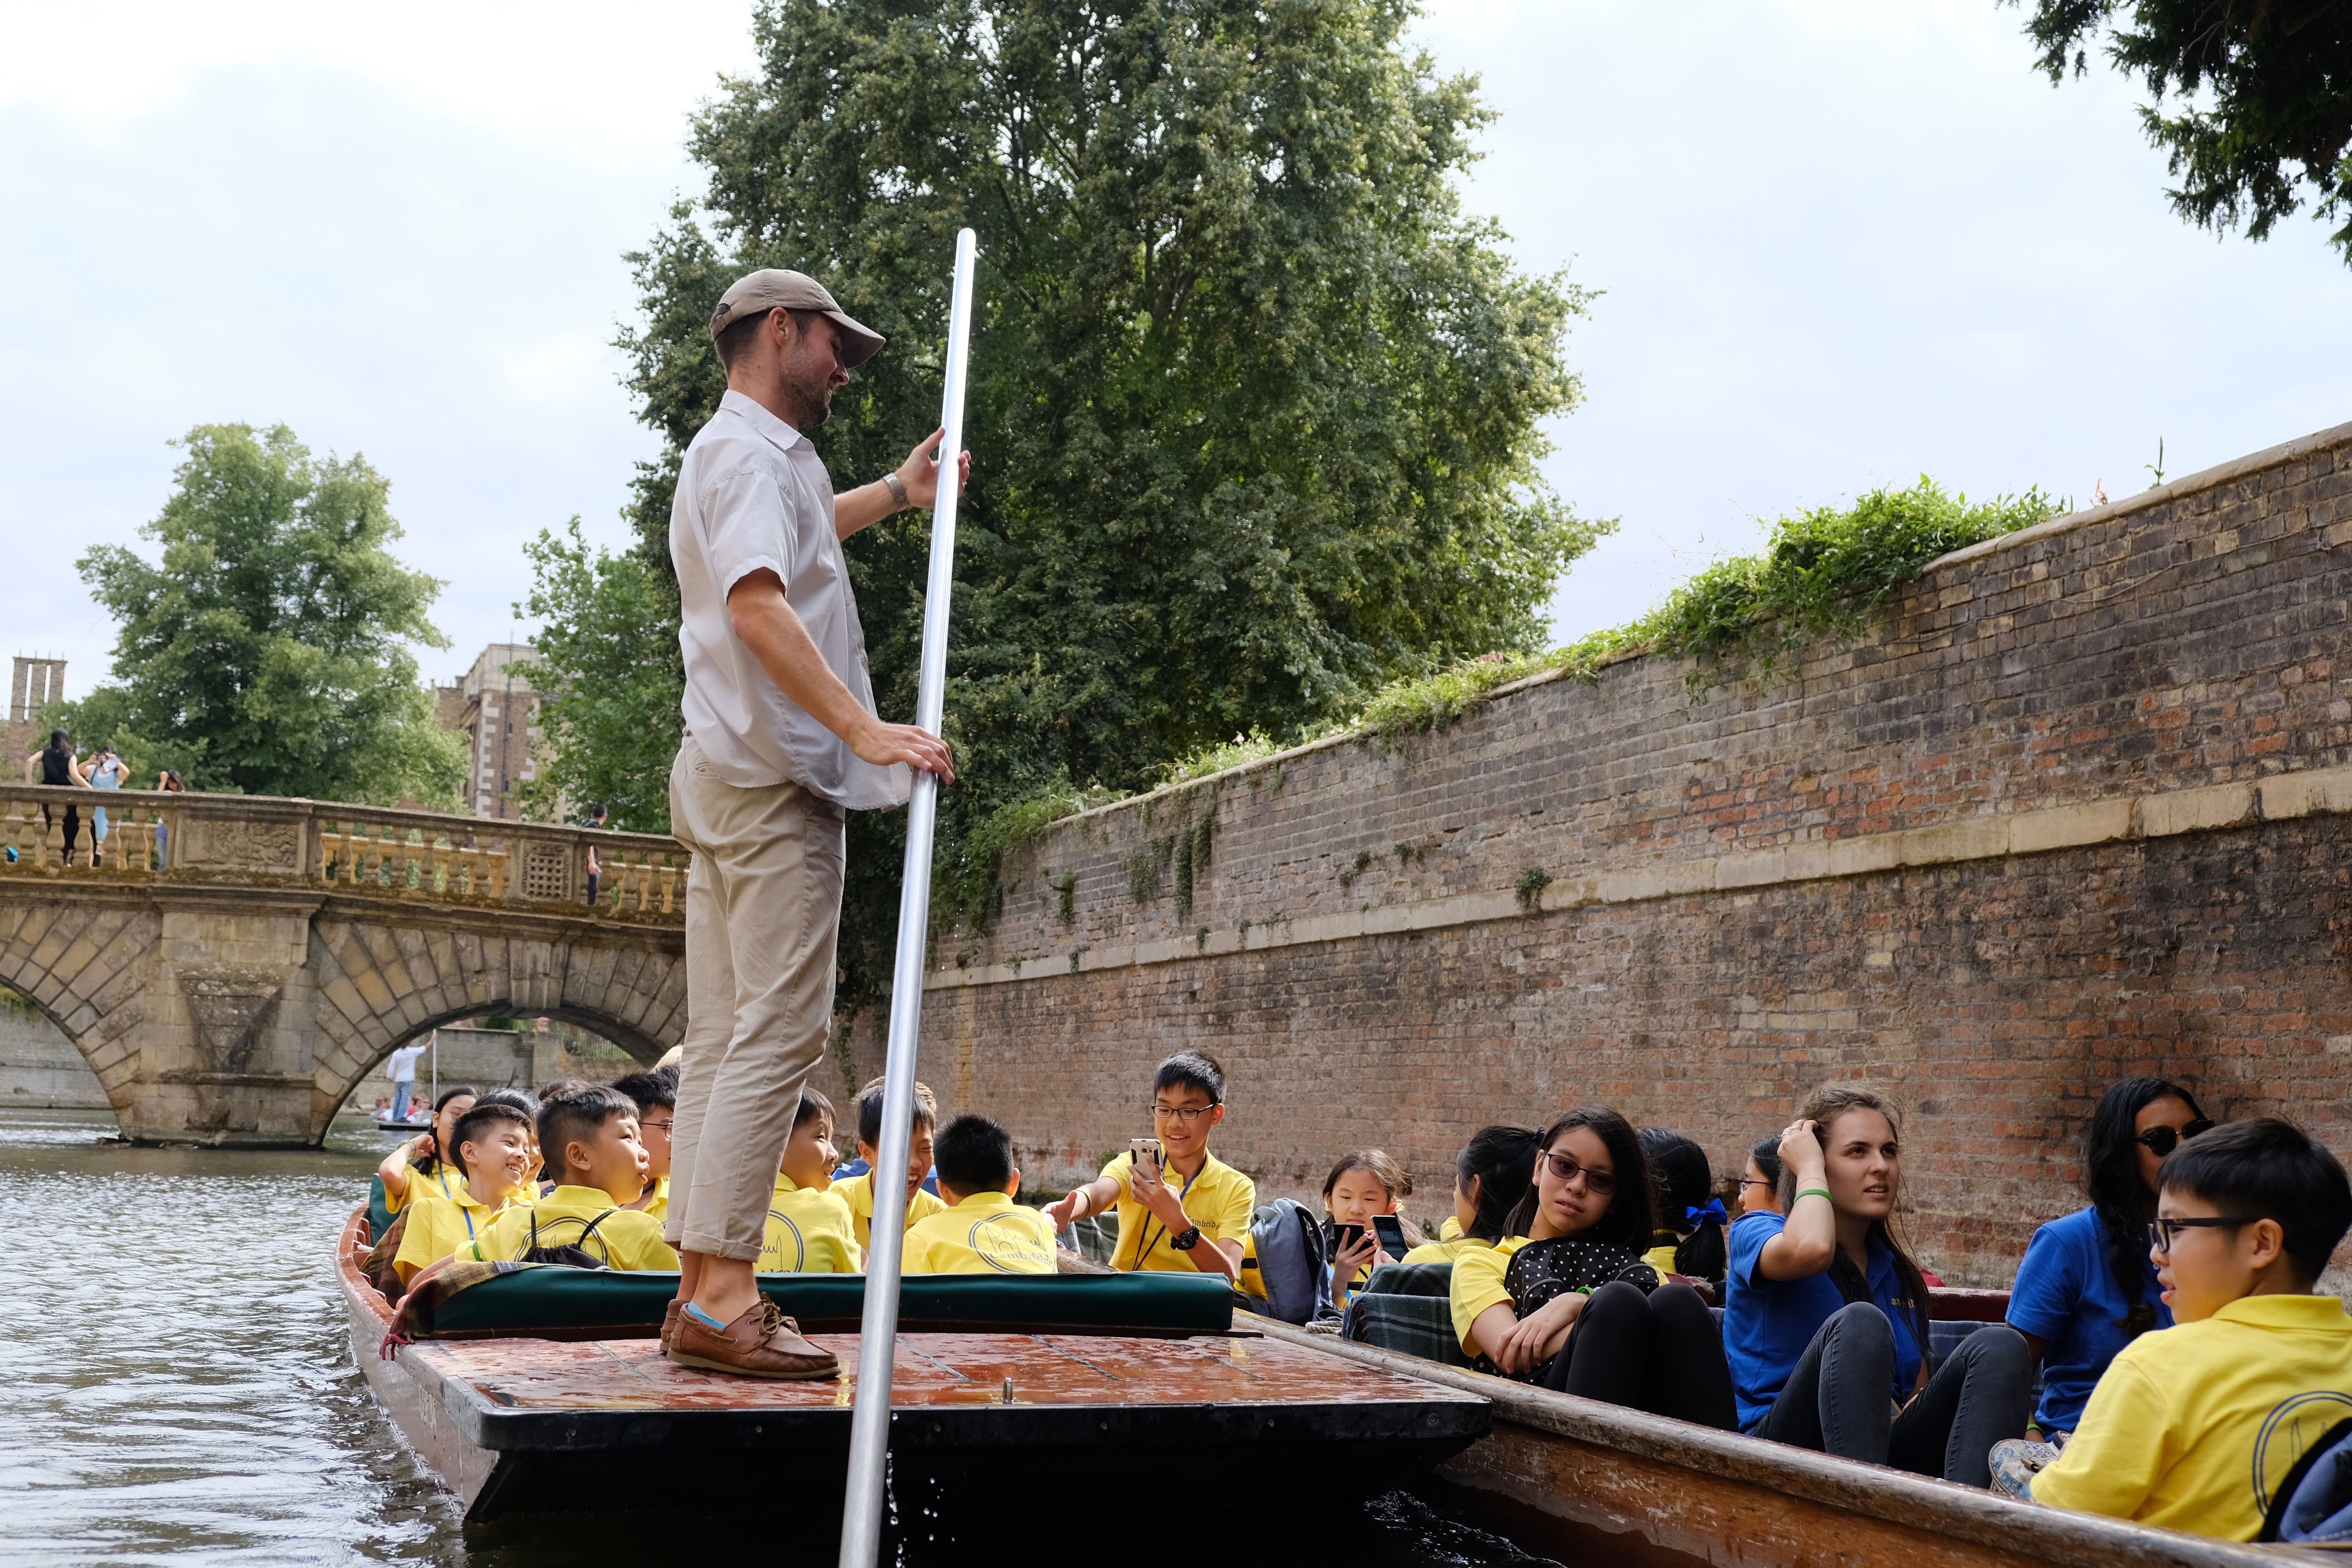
[
  {"x": 2260, "y": 97},
  {"x": 1254, "y": 408},
  {"x": 611, "y": 714},
  {"x": 266, "y": 654}
]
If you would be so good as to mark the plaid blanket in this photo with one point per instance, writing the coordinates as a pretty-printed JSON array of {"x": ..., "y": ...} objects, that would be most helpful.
[
  {"x": 1409, "y": 1310},
  {"x": 433, "y": 1286}
]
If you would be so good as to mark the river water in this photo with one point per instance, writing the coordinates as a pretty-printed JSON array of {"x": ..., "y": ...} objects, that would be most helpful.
[{"x": 176, "y": 1381}]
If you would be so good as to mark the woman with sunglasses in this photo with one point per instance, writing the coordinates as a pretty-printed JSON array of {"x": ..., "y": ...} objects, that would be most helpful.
[
  {"x": 1826, "y": 1321},
  {"x": 1566, "y": 1300},
  {"x": 2087, "y": 1287}
]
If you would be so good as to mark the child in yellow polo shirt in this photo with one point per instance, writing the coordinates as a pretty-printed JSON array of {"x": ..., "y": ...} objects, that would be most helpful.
[
  {"x": 808, "y": 1226},
  {"x": 654, "y": 1093},
  {"x": 1186, "y": 1210},
  {"x": 857, "y": 1191},
  {"x": 1365, "y": 1183},
  {"x": 589, "y": 1135},
  {"x": 2193, "y": 1426},
  {"x": 493, "y": 1153},
  {"x": 1491, "y": 1174},
  {"x": 981, "y": 1230}
]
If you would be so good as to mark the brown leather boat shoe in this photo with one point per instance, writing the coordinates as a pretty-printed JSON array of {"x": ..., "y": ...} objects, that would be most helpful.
[
  {"x": 669, "y": 1323},
  {"x": 761, "y": 1343}
]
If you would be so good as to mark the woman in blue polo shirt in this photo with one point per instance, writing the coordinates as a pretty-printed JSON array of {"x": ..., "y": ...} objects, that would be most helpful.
[
  {"x": 2088, "y": 1288},
  {"x": 1826, "y": 1321}
]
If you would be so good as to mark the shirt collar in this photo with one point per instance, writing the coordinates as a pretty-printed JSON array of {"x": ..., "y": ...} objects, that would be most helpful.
[
  {"x": 986, "y": 1200},
  {"x": 766, "y": 424},
  {"x": 566, "y": 1192},
  {"x": 2320, "y": 1312}
]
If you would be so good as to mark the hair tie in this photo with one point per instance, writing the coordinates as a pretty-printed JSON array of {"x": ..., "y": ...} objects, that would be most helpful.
[{"x": 1698, "y": 1217}]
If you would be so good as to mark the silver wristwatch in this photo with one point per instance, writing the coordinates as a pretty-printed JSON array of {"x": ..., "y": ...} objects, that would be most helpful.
[{"x": 898, "y": 488}]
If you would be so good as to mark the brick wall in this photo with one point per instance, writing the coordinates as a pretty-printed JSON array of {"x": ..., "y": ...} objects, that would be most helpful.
[{"x": 2075, "y": 809}]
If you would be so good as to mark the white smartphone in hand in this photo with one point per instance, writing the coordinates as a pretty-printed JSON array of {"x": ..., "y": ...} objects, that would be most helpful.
[{"x": 1147, "y": 1155}]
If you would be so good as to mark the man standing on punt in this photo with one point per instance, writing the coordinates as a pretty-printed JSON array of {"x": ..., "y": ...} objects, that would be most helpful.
[{"x": 782, "y": 741}]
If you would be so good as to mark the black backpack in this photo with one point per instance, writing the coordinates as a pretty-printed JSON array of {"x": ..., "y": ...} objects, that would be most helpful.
[{"x": 573, "y": 1255}]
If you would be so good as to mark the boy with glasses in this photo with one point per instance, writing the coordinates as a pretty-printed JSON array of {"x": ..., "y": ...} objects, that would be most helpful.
[
  {"x": 1188, "y": 1209},
  {"x": 2193, "y": 1427},
  {"x": 656, "y": 1094}
]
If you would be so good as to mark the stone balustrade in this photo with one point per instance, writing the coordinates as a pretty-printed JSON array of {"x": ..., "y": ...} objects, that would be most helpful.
[{"x": 257, "y": 840}]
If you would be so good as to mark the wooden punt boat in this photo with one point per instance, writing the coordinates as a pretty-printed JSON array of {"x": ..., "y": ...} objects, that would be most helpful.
[
  {"x": 571, "y": 1415},
  {"x": 1595, "y": 1484}
]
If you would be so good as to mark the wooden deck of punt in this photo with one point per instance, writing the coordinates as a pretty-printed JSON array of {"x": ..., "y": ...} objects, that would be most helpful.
[
  {"x": 528, "y": 1425},
  {"x": 1596, "y": 1484}
]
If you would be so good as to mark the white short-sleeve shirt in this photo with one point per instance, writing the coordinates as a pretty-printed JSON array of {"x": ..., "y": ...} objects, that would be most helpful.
[
  {"x": 753, "y": 493},
  {"x": 403, "y": 1064}
]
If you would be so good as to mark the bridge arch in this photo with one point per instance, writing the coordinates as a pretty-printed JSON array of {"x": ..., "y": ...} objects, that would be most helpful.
[{"x": 232, "y": 984}]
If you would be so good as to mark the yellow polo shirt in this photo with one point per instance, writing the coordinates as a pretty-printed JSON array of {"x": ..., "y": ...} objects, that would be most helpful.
[
  {"x": 1450, "y": 1230},
  {"x": 443, "y": 1183},
  {"x": 987, "y": 1233},
  {"x": 858, "y": 1191},
  {"x": 625, "y": 1238},
  {"x": 438, "y": 1226},
  {"x": 1477, "y": 1284},
  {"x": 808, "y": 1232},
  {"x": 1448, "y": 1250},
  {"x": 1219, "y": 1199},
  {"x": 2192, "y": 1428},
  {"x": 659, "y": 1206}
]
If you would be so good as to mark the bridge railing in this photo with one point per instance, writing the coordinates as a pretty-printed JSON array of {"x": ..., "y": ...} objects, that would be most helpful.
[{"x": 248, "y": 840}]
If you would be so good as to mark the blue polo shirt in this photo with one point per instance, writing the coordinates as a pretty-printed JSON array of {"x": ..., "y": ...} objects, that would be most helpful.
[
  {"x": 2066, "y": 1294},
  {"x": 1767, "y": 1323}
]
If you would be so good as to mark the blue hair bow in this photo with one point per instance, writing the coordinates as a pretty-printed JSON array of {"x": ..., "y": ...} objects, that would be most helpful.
[{"x": 1699, "y": 1217}]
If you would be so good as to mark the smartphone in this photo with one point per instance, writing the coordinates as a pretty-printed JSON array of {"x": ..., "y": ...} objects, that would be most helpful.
[
  {"x": 1146, "y": 1150},
  {"x": 1392, "y": 1234},
  {"x": 1343, "y": 1237}
]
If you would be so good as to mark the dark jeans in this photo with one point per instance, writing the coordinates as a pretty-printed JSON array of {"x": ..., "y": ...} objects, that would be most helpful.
[
  {"x": 72, "y": 829},
  {"x": 1660, "y": 1352},
  {"x": 1836, "y": 1400}
]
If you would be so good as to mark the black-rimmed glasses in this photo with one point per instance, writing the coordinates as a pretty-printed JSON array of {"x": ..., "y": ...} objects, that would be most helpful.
[
  {"x": 2163, "y": 1141},
  {"x": 1600, "y": 1184},
  {"x": 2161, "y": 1233},
  {"x": 1183, "y": 1115}
]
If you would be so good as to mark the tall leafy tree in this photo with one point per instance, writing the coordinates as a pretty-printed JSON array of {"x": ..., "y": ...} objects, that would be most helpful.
[
  {"x": 612, "y": 713},
  {"x": 2252, "y": 98},
  {"x": 266, "y": 653},
  {"x": 1254, "y": 408}
]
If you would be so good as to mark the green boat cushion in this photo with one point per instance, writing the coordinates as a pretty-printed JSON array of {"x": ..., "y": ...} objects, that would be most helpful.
[{"x": 557, "y": 1298}]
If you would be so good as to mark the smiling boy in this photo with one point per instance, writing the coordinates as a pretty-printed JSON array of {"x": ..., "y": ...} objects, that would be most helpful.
[
  {"x": 2193, "y": 1427},
  {"x": 1189, "y": 1210},
  {"x": 493, "y": 1154}
]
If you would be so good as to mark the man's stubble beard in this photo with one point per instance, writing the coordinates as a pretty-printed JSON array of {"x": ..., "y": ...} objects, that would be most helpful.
[{"x": 812, "y": 398}]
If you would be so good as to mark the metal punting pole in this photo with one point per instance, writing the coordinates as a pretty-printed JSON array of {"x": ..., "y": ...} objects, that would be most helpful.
[{"x": 869, "y": 1429}]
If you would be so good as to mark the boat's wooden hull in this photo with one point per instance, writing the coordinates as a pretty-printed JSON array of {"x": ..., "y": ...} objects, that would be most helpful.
[
  {"x": 531, "y": 1424},
  {"x": 1592, "y": 1483}
]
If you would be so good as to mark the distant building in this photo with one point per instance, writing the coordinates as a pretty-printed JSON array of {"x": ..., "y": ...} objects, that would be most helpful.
[
  {"x": 496, "y": 707},
  {"x": 38, "y": 683}
]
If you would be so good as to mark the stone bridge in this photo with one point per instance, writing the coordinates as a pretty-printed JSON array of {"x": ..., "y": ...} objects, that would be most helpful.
[{"x": 234, "y": 965}]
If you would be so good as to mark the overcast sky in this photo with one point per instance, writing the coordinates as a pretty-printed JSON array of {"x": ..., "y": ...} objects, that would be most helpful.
[{"x": 1840, "y": 245}]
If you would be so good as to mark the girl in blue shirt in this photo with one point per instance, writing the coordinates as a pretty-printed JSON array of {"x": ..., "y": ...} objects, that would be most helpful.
[
  {"x": 2088, "y": 1288},
  {"x": 1826, "y": 1324}
]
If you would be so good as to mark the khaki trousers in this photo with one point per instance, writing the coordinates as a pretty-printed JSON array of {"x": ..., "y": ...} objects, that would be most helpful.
[{"x": 762, "y": 911}]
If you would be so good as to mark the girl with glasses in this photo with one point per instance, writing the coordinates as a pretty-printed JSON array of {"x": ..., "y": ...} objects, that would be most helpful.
[
  {"x": 1565, "y": 1300},
  {"x": 2087, "y": 1287},
  {"x": 1826, "y": 1323}
]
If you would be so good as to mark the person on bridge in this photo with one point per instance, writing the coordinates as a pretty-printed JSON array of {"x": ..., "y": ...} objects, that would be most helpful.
[
  {"x": 56, "y": 765},
  {"x": 781, "y": 740}
]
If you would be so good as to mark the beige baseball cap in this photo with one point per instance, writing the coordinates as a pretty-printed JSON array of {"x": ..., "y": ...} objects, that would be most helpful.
[{"x": 756, "y": 293}]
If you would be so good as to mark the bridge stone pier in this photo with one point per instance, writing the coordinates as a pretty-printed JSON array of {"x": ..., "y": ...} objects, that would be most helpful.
[{"x": 234, "y": 965}]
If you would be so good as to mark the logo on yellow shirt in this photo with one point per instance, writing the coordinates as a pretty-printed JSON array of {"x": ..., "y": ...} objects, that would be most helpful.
[
  {"x": 1006, "y": 1250},
  {"x": 2291, "y": 1428},
  {"x": 772, "y": 1255}
]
